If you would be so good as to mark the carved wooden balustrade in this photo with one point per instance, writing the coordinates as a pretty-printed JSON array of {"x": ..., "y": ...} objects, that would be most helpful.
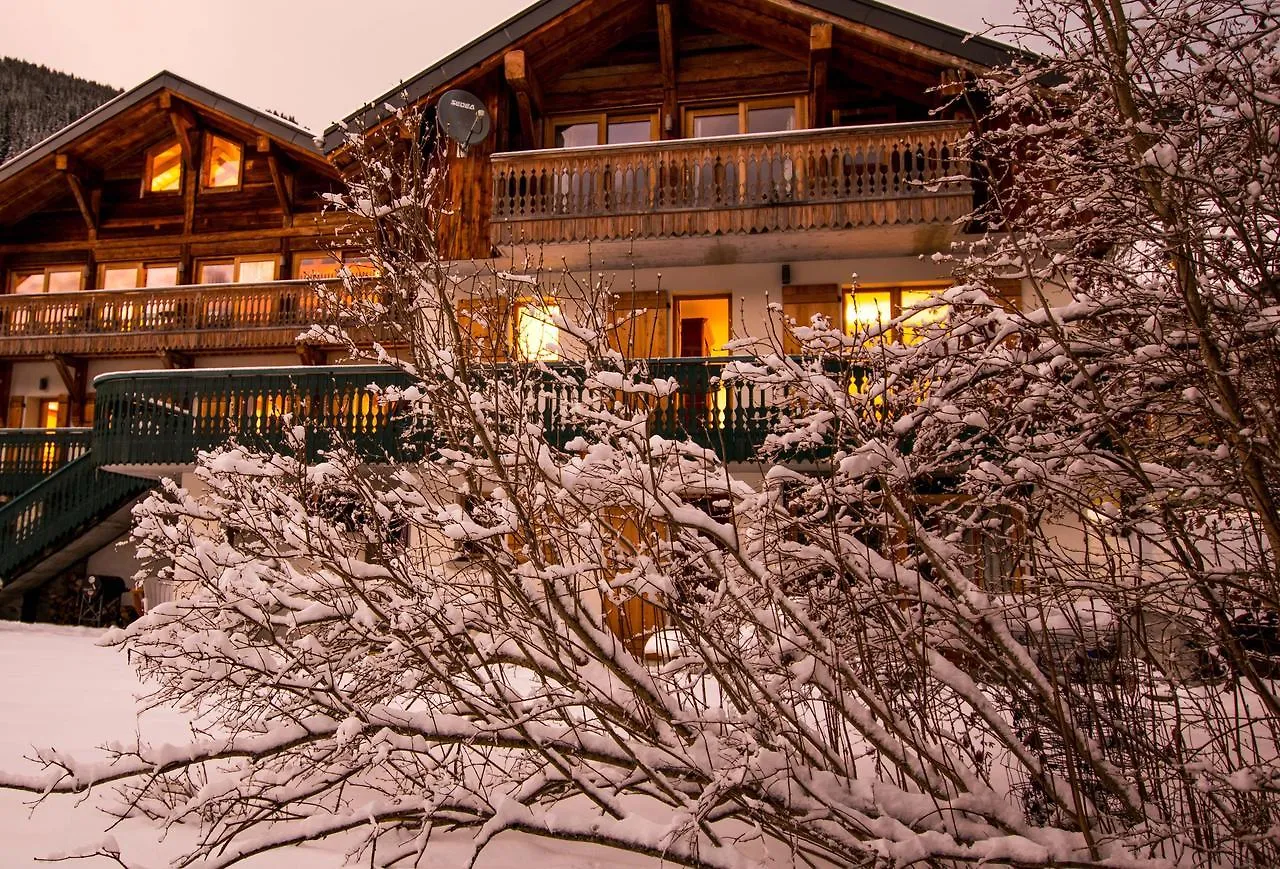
[
  {"x": 805, "y": 179},
  {"x": 190, "y": 318}
]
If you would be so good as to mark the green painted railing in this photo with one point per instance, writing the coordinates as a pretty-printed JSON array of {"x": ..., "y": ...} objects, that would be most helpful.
[
  {"x": 28, "y": 455},
  {"x": 164, "y": 417},
  {"x": 59, "y": 508}
]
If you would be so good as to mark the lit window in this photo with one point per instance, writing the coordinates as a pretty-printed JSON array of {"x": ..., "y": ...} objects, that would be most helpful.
[
  {"x": 66, "y": 282},
  {"x": 866, "y": 310},
  {"x": 872, "y": 308},
  {"x": 25, "y": 284},
  {"x": 360, "y": 266},
  {"x": 222, "y": 159},
  {"x": 129, "y": 276},
  {"x": 51, "y": 412},
  {"x": 256, "y": 271},
  {"x": 53, "y": 279},
  {"x": 161, "y": 275},
  {"x": 217, "y": 273},
  {"x": 320, "y": 266},
  {"x": 119, "y": 277},
  {"x": 240, "y": 270},
  {"x": 922, "y": 320},
  {"x": 316, "y": 267},
  {"x": 537, "y": 336},
  {"x": 164, "y": 168}
]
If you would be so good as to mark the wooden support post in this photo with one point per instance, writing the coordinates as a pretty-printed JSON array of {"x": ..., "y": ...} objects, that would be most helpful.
[
  {"x": 670, "y": 121},
  {"x": 528, "y": 95},
  {"x": 310, "y": 354},
  {"x": 177, "y": 359},
  {"x": 6, "y": 387},
  {"x": 74, "y": 372},
  {"x": 819, "y": 64}
]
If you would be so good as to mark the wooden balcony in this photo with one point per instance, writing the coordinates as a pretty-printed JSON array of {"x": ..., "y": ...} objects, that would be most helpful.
[
  {"x": 215, "y": 317},
  {"x": 837, "y": 178}
]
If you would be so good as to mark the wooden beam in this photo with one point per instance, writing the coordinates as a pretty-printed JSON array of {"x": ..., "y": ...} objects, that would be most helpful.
[
  {"x": 819, "y": 63},
  {"x": 86, "y": 201},
  {"x": 185, "y": 126},
  {"x": 873, "y": 35},
  {"x": 74, "y": 372},
  {"x": 668, "y": 60},
  {"x": 282, "y": 181},
  {"x": 528, "y": 95},
  {"x": 114, "y": 245},
  {"x": 855, "y": 57},
  {"x": 6, "y": 388}
]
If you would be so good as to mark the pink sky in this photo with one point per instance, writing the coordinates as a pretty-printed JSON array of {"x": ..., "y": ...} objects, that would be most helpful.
[{"x": 318, "y": 61}]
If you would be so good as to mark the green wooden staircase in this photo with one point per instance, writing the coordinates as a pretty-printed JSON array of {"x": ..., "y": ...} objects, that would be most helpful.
[{"x": 61, "y": 520}]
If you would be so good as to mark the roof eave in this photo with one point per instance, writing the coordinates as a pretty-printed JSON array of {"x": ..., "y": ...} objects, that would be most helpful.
[
  {"x": 275, "y": 127},
  {"x": 932, "y": 34}
]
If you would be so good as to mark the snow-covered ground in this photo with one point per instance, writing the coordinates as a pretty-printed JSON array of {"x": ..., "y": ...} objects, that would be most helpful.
[{"x": 57, "y": 688}]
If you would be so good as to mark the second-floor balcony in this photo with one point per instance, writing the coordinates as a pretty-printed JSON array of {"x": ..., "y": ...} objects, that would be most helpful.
[
  {"x": 214, "y": 317},
  {"x": 836, "y": 178}
]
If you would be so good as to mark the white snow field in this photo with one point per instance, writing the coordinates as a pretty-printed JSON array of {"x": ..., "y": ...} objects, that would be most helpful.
[{"x": 59, "y": 689}]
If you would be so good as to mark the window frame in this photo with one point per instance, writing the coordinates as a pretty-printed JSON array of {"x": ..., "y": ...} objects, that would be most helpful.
[
  {"x": 149, "y": 168},
  {"x": 798, "y": 102},
  {"x": 16, "y": 275},
  {"x": 236, "y": 261},
  {"x": 206, "y": 164},
  {"x": 339, "y": 258},
  {"x": 140, "y": 267},
  {"x": 602, "y": 121}
]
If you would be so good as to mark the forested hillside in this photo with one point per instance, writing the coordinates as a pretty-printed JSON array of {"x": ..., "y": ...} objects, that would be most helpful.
[{"x": 36, "y": 101}]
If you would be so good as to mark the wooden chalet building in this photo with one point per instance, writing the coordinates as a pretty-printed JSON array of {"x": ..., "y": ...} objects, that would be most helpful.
[{"x": 742, "y": 151}]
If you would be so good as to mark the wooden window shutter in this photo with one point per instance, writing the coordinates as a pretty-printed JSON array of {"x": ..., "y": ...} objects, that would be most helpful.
[
  {"x": 802, "y": 301},
  {"x": 641, "y": 335}
]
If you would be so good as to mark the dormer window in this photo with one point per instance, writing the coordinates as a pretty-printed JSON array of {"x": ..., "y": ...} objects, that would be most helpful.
[
  {"x": 164, "y": 168},
  {"x": 223, "y": 159}
]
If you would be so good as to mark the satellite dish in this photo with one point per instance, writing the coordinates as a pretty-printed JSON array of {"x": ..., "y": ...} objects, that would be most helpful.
[{"x": 462, "y": 116}]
